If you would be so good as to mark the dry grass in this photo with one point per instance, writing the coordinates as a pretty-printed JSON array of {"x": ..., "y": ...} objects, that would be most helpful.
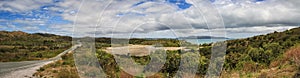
[
  {"x": 294, "y": 55},
  {"x": 60, "y": 69}
]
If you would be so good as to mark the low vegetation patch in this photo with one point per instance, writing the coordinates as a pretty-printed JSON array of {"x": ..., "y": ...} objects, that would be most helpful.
[{"x": 64, "y": 68}]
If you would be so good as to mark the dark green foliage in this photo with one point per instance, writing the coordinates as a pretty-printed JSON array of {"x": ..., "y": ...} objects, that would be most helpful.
[
  {"x": 143, "y": 60},
  {"x": 172, "y": 64},
  {"x": 105, "y": 42},
  {"x": 108, "y": 64}
]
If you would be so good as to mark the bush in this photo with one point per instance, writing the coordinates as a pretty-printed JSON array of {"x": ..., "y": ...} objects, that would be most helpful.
[{"x": 41, "y": 69}]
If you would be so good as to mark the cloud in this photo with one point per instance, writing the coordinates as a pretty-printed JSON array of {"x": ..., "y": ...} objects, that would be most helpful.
[
  {"x": 259, "y": 29},
  {"x": 190, "y": 17},
  {"x": 30, "y": 28},
  {"x": 22, "y": 5},
  {"x": 150, "y": 16},
  {"x": 123, "y": 16},
  {"x": 119, "y": 16},
  {"x": 248, "y": 13}
]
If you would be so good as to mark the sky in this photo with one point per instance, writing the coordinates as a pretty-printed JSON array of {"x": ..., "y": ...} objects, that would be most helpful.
[{"x": 150, "y": 18}]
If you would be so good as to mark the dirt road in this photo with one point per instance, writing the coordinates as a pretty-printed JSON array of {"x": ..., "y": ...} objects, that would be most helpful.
[{"x": 26, "y": 69}]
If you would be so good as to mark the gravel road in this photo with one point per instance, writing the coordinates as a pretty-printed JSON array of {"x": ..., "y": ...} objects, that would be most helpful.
[{"x": 26, "y": 69}]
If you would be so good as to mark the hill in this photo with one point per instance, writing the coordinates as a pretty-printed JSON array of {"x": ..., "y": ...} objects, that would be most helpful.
[
  {"x": 203, "y": 37},
  {"x": 20, "y": 46},
  {"x": 252, "y": 56}
]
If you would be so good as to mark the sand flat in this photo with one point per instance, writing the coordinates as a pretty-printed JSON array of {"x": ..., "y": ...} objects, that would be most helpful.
[{"x": 137, "y": 50}]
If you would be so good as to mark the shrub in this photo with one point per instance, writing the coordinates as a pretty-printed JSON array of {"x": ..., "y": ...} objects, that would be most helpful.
[{"x": 41, "y": 69}]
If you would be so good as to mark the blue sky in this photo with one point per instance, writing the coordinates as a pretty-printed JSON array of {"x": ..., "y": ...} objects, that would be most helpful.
[
  {"x": 50, "y": 17},
  {"x": 60, "y": 17},
  {"x": 40, "y": 18}
]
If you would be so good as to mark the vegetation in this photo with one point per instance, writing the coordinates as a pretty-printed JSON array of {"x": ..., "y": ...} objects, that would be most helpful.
[
  {"x": 260, "y": 53},
  {"x": 261, "y": 50},
  {"x": 250, "y": 57},
  {"x": 265, "y": 56},
  {"x": 64, "y": 68},
  {"x": 21, "y": 46},
  {"x": 105, "y": 42},
  {"x": 169, "y": 69}
]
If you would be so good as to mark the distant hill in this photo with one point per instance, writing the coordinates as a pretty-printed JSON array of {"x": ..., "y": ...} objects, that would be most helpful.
[
  {"x": 19, "y": 46},
  {"x": 19, "y": 35},
  {"x": 203, "y": 37}
]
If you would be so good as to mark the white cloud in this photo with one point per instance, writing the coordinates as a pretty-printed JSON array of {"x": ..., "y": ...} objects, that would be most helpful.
[
  {"x": 259, "y": 29},
  {"x": 30, "y": 28},
  {"x": 122, "y": 17},
  {"x": 119, "y": 16},
  {"x": 159, "y": 16},
  {"x": 246, "y": 13},
  {"x": 22, "y": 5}
]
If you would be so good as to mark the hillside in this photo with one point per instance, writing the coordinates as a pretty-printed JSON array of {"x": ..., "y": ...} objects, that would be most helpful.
[
  {"x": 250, "y": 57},
  {"x": 264, "y": 48},
  {"x": 21, "y": 46}
]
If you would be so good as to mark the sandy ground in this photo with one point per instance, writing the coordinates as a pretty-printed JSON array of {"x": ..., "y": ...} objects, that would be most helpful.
[{"x": 137, "y": 50}]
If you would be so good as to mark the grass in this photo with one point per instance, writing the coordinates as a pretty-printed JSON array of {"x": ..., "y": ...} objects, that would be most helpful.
[
  {"x": 64, "y": 68},
  {"x": 28, "y": 56}
]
